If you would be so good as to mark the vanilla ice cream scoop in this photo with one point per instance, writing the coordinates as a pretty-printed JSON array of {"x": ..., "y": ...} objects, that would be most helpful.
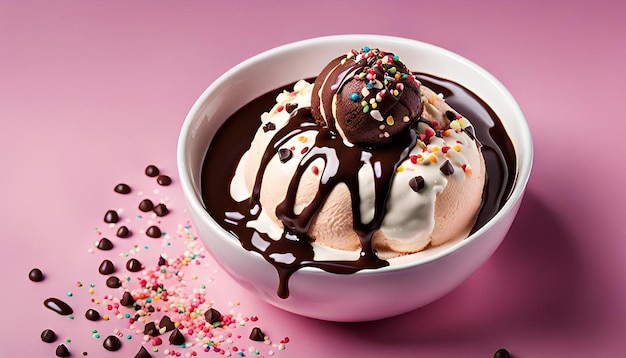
[{"x": 311, "y": 175}]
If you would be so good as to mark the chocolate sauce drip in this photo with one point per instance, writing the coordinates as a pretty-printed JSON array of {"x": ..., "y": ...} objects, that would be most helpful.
[
  {"x": 294, "y": 251},
  {"x": 342, "y": 164}
]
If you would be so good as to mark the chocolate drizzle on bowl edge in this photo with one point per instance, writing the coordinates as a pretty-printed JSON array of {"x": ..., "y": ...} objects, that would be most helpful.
[{"x": 294, "y": 250}]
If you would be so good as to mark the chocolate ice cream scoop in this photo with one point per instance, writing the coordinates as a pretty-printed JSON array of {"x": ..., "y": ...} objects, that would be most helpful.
[{"x": 367, "y": 97}]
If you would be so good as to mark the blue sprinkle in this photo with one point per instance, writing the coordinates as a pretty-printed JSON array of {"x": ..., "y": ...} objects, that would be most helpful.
[
  {"x": 354, "y": 96},
  {"x": 366, "y": 49},
  {"x": 370, "y": 85}
]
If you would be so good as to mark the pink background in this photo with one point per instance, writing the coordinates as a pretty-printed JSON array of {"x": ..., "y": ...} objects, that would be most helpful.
[{"x": 91, "y": 92}]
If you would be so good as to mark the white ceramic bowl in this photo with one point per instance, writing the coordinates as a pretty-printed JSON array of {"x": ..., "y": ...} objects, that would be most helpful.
[{"x": 368, "y": 294}]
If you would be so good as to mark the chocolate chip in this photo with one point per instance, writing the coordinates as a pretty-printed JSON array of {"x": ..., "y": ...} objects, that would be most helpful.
[
  {"x": 150, "y": 329},
  {"x": 113, "y": 282},
  {"x": 164, "y": 180},
  {"x": 162, "y": 261},
  {"x": 92, "y": 315},
  {"x": 160, "y": 210},
  {"x": 146, "y": 205},
  {"x": 112, "y": 343},
  {"x": 127, "y": 299},
  {"x": 152, "y": 171},
  {"x": 123, "y": 232},
  {"x": 122, "y": 188},
  {"x": 154, "y": 232},
  {"x": 502, "y": 353},
  {"x": 290, "y": 107},
  {"x": 143, "y": 353},
  {"x": 417, "y": 183},
  {"x": 105, "y": 244},
  {"x": 62, "y": 351},
  {"x": 133, "y": 265},
  {"x": 269, "y": 126},
  {"x": 257, "y": 334},
  {"x": 176, "y": 337},
  {"x": 35, "y": 275},
  {"x": 106, "y": 267},
  {"x": 111, "y": 217},
  {"x": 58, "y": 306},
  {"x": 166, "y": 322},
  {"x": 451, "y": 116},
  {"x": 284, "y": 155},
  {"x": 48, "y": 336},
  {"x": 446, "y": 168},
  {"x": 212, "y": 316}
]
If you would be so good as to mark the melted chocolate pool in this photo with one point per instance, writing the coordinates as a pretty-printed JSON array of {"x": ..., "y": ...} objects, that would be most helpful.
[{"x": 294, "y": 250}]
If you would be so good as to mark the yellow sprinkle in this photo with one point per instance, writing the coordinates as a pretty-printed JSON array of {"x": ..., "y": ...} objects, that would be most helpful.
[
  {"x": 302, "y": 139},
  {"x": 464, "y": 122},
  {"x": 455, "y": 125},
  {"x": 390, "y": 120},
  {"x": 374, "y": 105},
  {"x": 400, "y": 169},
  {"x": 395, "y": 93},
  {"x": 456, "y": 147},
  {"x": 432, "y": 100},
  {"x": 432, "y": 158},
  {"x": 91, "y": 290},
  {"x": 435, "y": 149},
  {"x": 194, "y": 277},
  {"x": 105, "y": 317},
  {"x": 421, "y": 144}
]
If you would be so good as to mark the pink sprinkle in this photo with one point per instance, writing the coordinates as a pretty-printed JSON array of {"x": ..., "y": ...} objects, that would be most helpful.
[
  {"x": 428, "y": 133},
  {"x": 334, "y": 87}
]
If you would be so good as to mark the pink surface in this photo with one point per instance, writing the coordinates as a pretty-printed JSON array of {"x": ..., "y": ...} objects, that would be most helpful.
[{"x": 92, "y": 92}]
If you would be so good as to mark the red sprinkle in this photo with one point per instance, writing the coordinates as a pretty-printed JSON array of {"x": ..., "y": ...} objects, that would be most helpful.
[
  {"x": 304, "y": 150},
  {"x": 445, "y": 149},
  {"x": 414, "y": 159},
  {"x": 315, "y": 169},
  {"x": 280, "y": 108}
]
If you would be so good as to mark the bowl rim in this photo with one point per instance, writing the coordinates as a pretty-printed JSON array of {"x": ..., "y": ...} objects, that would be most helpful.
[{"x": 524, "y": 166}]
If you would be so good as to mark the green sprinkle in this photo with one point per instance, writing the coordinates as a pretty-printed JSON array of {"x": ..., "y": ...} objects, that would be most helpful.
[
  {"x": 97, "y": 335},
  {"x": 69, "y": 294},
  {"x": 68, "y": 340}
]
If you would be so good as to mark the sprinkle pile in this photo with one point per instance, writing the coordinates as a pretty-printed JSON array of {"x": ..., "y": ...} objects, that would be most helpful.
[{"x": 161, "y": 307}]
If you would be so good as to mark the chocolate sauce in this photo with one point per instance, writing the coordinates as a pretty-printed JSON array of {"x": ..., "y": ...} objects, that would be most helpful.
[{"x": 294, "y": 250}]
